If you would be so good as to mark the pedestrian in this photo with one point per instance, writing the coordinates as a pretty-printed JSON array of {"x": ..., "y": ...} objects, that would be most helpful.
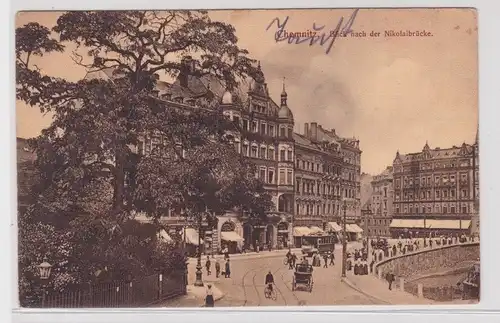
[
  {"x": 208, "y": 265},
  {"x": 217, "y": 268},
  {"x": 294, "y": 260},
  {"x": 390, "y": 279},
  {"x": 209, "y": 299},
  {"x": 332, "y": 259},
  {"x": 325, "y": 258},
  {"x": 227, "y": 270}
]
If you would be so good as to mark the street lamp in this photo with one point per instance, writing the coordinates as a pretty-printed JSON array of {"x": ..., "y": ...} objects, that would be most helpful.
[
  {"x": 44, "y": 268},
  {"x": 344, "y": 241},
  {"x": 199, "y": 279}
]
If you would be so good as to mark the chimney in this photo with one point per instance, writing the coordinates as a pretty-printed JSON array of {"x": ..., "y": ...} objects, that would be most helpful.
[
  {"x": 186, "y": 69},
  {"x": 314, "y": 131},
  {"x": 306, "y": 130}
]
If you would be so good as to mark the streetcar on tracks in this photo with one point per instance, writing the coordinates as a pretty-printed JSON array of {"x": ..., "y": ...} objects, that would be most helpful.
[{"x": 318, "y": 244}]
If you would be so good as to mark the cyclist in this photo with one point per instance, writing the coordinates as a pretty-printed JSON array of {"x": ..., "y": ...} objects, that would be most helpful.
[{"x": 269, "y": 281}]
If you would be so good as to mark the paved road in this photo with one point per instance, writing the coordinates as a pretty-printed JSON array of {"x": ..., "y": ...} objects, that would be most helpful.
[{"x": 246, "y": 285}]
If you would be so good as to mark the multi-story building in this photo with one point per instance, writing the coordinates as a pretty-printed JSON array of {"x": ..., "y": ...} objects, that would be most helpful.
[
  {"x": 327, "y": 173},
  {"x": 268, "y": 140},
  {"x": 435, "y": 190},
  {"x": 380, "y": 204}
]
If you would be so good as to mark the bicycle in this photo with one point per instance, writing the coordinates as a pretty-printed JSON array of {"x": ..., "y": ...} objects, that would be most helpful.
[{"x": 270, "y": 293}]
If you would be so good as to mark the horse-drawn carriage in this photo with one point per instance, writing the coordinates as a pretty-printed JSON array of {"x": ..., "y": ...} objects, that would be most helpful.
[{"x": 303, "y": 276}]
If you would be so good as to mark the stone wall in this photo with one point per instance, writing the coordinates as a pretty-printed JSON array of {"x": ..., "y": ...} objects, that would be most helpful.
[{"x": 428, "y": 260}]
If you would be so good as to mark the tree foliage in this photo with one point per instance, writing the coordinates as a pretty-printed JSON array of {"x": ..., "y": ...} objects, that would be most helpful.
[{"x": 91, "y": 177}]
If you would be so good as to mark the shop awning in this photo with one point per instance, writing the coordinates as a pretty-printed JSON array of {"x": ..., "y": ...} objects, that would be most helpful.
[
  {"x": 231, "y": 236},
  {"x": 448, "y": 224},
  {"x": 333, "y": 226},
  {"x": 407, "y": 223},
  {"x": 192, "y": 236},
  {"x": 316, "y": 230},
  {"x": 353, "y": 228},
  {"x": 301, "y": 231},
  {"x": 163, "y": 235}
]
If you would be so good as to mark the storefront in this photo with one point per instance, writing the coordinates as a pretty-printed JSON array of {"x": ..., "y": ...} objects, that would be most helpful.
[
  {"x": 283, "y": 235},
  {"x": 298, "y": 235},
  {"x": 354, "y": 232},
  {"x": 230, "y": 239},
  {"x": 191, "y": 241},
  {"x": 429, "y": 228},
  {"x": 334, "y": 229}
]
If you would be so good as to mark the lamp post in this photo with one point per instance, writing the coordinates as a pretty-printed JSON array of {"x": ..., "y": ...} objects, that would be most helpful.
[
  {"x": 199, "y": 279},
  {"x": 344, "y": 241},
  {"x": 44, "y": 269}
]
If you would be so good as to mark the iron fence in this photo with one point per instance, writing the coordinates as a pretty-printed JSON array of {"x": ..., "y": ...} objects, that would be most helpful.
[{"x": 137, "y": 293}]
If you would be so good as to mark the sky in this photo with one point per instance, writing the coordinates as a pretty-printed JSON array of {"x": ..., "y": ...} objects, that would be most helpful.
[{"x": 391, "y": 93}]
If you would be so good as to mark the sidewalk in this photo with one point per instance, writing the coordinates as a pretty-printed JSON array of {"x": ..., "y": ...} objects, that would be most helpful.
[
  {"x": 253, "y": 255},
  {"x": 195, "y": 297},
  {"x": 373, "y": 287}
]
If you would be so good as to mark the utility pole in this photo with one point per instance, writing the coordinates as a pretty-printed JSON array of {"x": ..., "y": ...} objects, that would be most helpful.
[{"x": 344, "y": 240}]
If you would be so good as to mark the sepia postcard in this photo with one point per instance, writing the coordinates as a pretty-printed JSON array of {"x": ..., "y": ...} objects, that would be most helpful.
[{"x": 247, "y": 158}]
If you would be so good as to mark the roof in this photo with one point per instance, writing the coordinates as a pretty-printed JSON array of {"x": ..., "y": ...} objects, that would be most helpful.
[{"x": 436, "y": 153}]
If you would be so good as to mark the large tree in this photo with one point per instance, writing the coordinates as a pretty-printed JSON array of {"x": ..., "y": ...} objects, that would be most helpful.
[{"x": 91, "y": 176}]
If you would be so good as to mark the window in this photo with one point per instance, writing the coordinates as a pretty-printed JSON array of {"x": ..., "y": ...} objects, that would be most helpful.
[
  {"x": 289, "y": 179},
  {"x": 237, "y": 146},
  {"x": 464, "y": 209},
  {"x": 452, "y": 178},
  {"x": 282, "y": 132},
  {"x": 254, "y": 126},
  {"x": 254, "y": 151},
  {"x": 282, "y": 177},
  {"x": 263, "y": 174},
  {"x": 452, "y": 209},
  {"x": 438, "y": 194},
  {"x": 428, "y": 194},
  {"x": 464, "y": 193},
  {"x": 445, "y": 209},
  {"x": 262, "y": 152},
  {"x": 270, "y": 177},
  {"x": 445, "y": 193},
  {"x": 282, "y": 155},
  {"x": 236, "y": 120},
  {"x": 290, "y": 132},
  {"x": 436, "y": 179},
  {"x": 297, "y": 187},
  {"x": 262, "y": 128},
  {"x": 245, "y": 150},
  {"x": 290, "y": 154},
  {"x": 270, "y": 154},
  {"x": 463, "y": 177},
  {"x": 271, "y": 131},
  {"x": 452, "y": 193},
  {"x": 245, "y": 124}
]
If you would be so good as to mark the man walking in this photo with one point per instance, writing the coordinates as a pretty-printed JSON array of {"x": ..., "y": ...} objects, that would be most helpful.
[
  {"x": 325, "y": 258},
  {"x": 332, "y": 258},
  {"x": 228, "y": 270},
  {"x": 217, "y": 268},
  {"x": 208, "y": 265}
]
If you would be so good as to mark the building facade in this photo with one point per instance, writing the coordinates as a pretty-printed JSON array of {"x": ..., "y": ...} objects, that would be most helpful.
[
  {"x": 327, "y": 166},
  {"x": 318, "y": 177},
  {"x": 380, "y": 204},
  {"x": 435, "y": 191}
]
